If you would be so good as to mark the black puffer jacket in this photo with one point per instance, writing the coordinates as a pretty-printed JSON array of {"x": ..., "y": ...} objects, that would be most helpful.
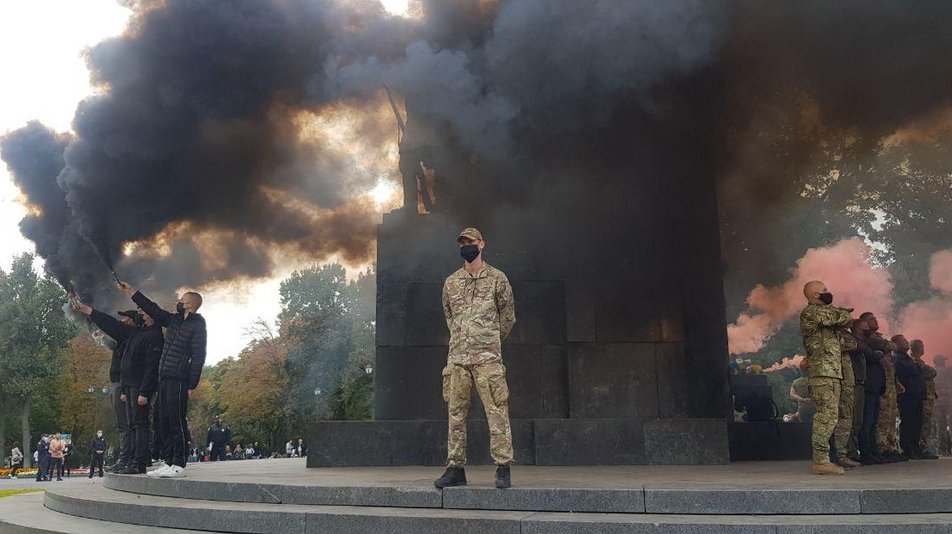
[{"x": 185, "y": 338}]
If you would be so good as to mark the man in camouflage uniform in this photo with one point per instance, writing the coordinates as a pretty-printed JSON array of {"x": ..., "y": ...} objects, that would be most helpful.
[
  {"x": 844, "y": 425},
  {"x": 820, "y": 324},
  {"x": 480, "y": 313},
  {"x": 887, "y": 435},
  {"x": 927, "y": 442}
]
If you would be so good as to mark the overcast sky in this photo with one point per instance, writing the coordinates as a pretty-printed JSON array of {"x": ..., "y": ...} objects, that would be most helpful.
[{"x": 44, "y": 77}]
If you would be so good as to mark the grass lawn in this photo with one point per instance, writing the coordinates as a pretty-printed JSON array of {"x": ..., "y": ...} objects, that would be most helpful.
[{"x": 9, "y": 492}]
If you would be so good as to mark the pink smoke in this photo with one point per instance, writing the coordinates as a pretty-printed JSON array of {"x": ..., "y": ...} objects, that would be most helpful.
[
  {"x": 786, "y": 363},
  {"x": 849, "y": 274},
  {"x": 931, "y": 320}
]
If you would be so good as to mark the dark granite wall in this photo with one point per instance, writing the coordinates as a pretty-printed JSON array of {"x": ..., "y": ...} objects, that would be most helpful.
[{"x": 619, "y": 352}]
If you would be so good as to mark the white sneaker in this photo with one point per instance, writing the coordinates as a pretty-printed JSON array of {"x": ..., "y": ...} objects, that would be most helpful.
[
  {"x": 159, "y": 471},
  {"x": 173, "y": 471}
]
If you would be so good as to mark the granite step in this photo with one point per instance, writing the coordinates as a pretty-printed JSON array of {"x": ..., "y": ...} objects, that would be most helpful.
[
  {"x": 105, "y": 504},
  {"x": 25, "y": 514},
  {"x": 717, "y": 498}
]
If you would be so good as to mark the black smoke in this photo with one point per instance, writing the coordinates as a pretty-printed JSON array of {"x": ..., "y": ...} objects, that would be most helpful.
[{"x": 195, "y": 130}]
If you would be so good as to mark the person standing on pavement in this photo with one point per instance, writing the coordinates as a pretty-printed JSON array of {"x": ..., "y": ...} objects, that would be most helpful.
[
  {"x": 97, "y": 449},
  {"x": 57, "y": 454},
  {"x": 820, "y": 326},
  {"x": 180, "y": 369},
  {"x": 43, "y": 458},
  {"x": 480, "y": 312},
  {"x": 218, "y": 437}
]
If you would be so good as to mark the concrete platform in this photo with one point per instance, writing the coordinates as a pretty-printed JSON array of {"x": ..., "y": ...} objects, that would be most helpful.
[{"x": 284, "y": 496}]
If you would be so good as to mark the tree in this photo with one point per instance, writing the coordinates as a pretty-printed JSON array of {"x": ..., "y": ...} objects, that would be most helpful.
[
  {"x": 254, "y": 393},
  {"x": 84, "y": 364},
  {"x": 33, "y": 328}
]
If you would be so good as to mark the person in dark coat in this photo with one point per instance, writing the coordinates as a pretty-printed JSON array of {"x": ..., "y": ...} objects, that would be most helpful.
[
  {"x": 218, "y": 437},
  {"x": 875, "y": 387},
  {"x": 43, "y": 458},
  {"x": 180, "y": 369},
  {"x": 910, "y": 401},
  {"x": 97, "y": 450},
  {"x": 138, "y": 376}
]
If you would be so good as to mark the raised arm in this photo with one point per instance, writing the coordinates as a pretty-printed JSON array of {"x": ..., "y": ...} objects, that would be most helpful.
[
  {"x": 112, "y": 327},
  {"x": 162, "y": 317}
]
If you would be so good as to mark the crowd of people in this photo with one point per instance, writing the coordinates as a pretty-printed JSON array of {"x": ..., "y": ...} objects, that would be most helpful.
[{"x": 871, "y": 400}]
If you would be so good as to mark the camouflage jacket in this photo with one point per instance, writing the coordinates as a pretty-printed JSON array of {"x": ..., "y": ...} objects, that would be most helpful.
[
  {"x": 820, "y": 326},
  {"x": 889, "y": 367},
  {"x": 847, "y": 344},
  {"x": 928, "y": 376},
  {"x": 480, "y": 313}
]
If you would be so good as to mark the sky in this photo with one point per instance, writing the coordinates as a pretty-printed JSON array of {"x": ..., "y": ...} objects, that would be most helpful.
[{"x": 44, "y": 78}]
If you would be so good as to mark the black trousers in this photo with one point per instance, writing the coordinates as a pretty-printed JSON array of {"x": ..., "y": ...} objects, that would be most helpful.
[
  {"x": 44, "y": 467},
  {"x": 95, "y": 462},
  {"x": 139, "y": 429},
  {"x": 59, "y": 464},
  {"x": 867, "y": 431},
  {"x": 910, "y": 429},
  {"x": 157, "y": 442},
  {"x": 173, "y": 426},
  {"x": 217, "y": 453}
]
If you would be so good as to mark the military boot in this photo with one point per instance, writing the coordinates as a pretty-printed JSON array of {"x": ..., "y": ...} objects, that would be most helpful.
[
  {"x": 826, "y": 468},
  {"x": 503, "y": 479},
  {"x": 454, "y": 476},
  {"x": 846, "y": 463},
  {"x": 927, "y": 455}
]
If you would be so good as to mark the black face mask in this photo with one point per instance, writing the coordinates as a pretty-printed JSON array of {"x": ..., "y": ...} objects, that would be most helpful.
[
  {"x": 469, "y": 252},
  {"x": 826, "y": 298},
  {"x": 180, "y": 308}
]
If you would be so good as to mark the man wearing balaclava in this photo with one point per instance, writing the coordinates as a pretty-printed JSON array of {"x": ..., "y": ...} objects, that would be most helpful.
[
  {"x": 820, "y": 326},
  {"x": 480, "y": 313}
]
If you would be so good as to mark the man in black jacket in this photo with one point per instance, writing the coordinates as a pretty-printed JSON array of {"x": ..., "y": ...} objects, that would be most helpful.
[
  {"x": 180, "y": 369},
  {"x": 119, "y": 407},
  {"x": 138, "y": 376},
  {"x": 874, "y": 388},
  {"x": 97, "y": 450},
  {"x": 910, "y": 401},
  {"x": 218, "y": 436}
]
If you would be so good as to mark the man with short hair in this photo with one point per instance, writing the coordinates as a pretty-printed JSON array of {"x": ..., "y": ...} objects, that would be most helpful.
[
  {"x": 218, "y": 437},
  {"x": 180, "y": 369},
  {"x": 910, "y": 401},
  {"x": 887, "y": 437},
  {"x": 820, "y": 326},
  {"x": 97, "y": 450},
  {"x": 480, "y": 312},
  {"x": 57, "y": 451},
  {"x": 43, "y": 458},
  {"x": 927, "y": 442}
]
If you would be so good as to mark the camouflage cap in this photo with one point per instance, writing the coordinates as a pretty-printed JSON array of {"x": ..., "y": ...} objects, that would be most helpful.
[{"x": 470, "y": 233}]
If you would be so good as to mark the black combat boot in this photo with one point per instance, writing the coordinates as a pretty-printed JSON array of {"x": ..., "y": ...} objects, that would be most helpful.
[
  {"x": 503, "y": 480},
  {"x": 454, "y": 476}
]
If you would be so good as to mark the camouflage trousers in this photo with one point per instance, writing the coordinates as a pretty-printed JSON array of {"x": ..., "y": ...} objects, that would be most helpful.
[
  {"x": 844, "y": 423},
  {"x": 490, "y": 382},
  {"x": 826, "y": 396},
  {"x": 887, "y": 437},
  {"x": 927, "y": 439}
]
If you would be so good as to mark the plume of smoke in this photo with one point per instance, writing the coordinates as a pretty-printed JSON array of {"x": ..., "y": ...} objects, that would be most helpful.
[
  {"x": 787, "y": 363},
  {"x": 849, "y": 274},
  {"x": 931, "y": 320}
]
